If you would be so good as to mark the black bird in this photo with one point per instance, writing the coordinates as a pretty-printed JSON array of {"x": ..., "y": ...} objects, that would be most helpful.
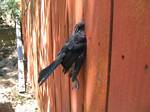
[{"x": 71, "y": 56}]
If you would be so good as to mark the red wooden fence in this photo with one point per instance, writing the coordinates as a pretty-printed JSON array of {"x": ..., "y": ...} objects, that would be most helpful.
[{"x": 115, "y": 76}]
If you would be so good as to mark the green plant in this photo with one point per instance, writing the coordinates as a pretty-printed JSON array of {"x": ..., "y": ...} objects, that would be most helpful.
[
  {"x": 13, "y": 8},
  {"x": 9, "y": 8}
]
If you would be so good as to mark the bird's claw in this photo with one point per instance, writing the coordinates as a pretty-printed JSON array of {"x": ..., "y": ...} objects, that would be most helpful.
[{"x": 75, "y": 84}]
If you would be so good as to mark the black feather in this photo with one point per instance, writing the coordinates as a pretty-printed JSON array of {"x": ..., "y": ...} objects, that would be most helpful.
[{"x": 46, "y": 72}]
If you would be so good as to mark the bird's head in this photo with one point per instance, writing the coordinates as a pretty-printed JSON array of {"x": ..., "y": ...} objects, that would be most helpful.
[{"x": 79, "y": 27}]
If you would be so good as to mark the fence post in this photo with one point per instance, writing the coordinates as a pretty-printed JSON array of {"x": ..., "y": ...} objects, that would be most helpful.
[{"x": 20, "y": 50}]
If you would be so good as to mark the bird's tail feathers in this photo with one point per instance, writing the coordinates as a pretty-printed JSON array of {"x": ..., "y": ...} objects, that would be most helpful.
[{"x": 46, "y": 72}]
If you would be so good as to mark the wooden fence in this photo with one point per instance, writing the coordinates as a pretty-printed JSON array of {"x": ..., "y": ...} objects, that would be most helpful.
[{"x": 116, "y": 74}]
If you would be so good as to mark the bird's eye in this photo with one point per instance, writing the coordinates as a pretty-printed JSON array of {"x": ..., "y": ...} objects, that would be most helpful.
[{"x": 77, "y": 29}]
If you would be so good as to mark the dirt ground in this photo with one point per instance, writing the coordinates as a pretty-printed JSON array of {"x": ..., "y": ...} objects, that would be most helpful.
[{"x": 10, "y": 99}]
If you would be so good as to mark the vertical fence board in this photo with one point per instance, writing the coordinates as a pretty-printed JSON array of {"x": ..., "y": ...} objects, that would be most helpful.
[
  {"x": 63, "y": 35},
  {"x": 97, "y": 18},
  {"x": 52, "y": 102},
  {"x": 130, "y": 73},
  {"x": 75, "y": 15},
  {"x": 56, "y": 47}
]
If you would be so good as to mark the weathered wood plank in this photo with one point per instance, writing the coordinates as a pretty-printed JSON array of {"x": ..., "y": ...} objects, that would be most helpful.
[
  {"x": 130, "y": 74},
  {"x": 97, "y": 19}
]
